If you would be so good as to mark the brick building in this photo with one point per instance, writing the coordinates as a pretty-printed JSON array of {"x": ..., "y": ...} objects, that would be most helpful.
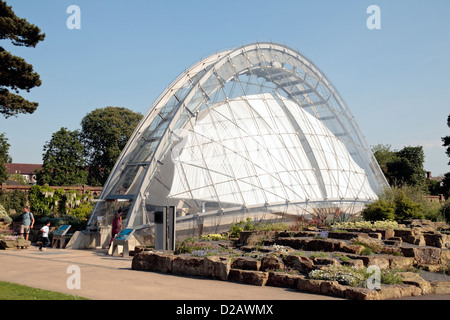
[{"x": 27, "y": 170}]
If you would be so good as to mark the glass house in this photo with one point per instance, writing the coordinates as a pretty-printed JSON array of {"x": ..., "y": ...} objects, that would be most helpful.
[{"x": 257, "y": 131}]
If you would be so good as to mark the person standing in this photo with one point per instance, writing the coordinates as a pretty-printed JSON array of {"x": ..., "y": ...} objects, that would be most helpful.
[
  {"x": 45, "y": 241},
  {"x": 27, "y": 223},
  {"x": 116, "y": 225}
]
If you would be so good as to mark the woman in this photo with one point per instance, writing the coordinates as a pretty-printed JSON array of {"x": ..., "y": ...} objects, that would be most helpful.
[{"x": 116, "y": 225}]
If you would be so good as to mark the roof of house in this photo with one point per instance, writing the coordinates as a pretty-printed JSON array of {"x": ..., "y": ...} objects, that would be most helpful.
[{"x": 22, "y": 168}]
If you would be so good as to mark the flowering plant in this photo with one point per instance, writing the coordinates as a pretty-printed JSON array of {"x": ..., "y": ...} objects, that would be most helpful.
[{"x": 343, "y": 275}]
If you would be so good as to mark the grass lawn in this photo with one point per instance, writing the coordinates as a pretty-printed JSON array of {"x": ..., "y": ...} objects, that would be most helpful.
[{"x": 11, "y": 291}]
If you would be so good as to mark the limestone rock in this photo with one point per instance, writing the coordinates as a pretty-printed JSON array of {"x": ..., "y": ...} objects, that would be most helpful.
[
  {"x": 217, "y": 267},
  {"x": 281, "y": 279},
  {"x": 423, "y": 255},
  {"x": 245, "y": 263},
  {"x": 300, "y": 263},
  {"x": 271, "y": 262},
  {"x": 257, "y": 278},
  {"x": 416, "y": 280},
  {"x": 151, "y": 261}
]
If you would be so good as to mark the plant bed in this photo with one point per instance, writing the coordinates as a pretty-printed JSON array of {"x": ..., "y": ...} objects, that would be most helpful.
[
  {"x": 9, "y": 242},
  {"x": 306, "y": 260}
]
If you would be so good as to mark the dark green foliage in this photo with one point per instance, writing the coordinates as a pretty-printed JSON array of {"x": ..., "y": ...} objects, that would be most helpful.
[
  {"x": 445, "y": 211},
  {"x": 406, "y": 208},
  {"x": 104, "y": 133},
  {"x": 4, "y": 157},
  {"x": 446, "y": 140},
  {"x": 15, "y": 72},
  {"x": 403, "y": 167},
  {"x": 379, "y": 210},
  {"x": 396, "y": 204},
  {"x": 445, "y": 189},
  {"x": 13, "y": 201},
  {"x": 63, "y": 163}
]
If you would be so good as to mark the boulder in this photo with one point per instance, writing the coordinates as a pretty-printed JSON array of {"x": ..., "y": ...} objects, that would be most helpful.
[
  {"x": 281, "y": 279},
  {"x": 295, "y": 243},
  {"x": 440, "y": 287},
  {"x": 347, "y": 235},
  {"x": 300, "y": 263},
  {"x": 375, "y": 260},
  {"x": 152, "y": 261},
  {"x": 375, "y": 235},
  {"x": 325, "y": 261},
  {"x": 332, "y": 288},
  {"x": 423, "y": 255},
  {"x": 245, "y": 263},
  {"x": 188, "y": 266},
  {"x": 257, "y": 278},
  {"x": 327, "y": 245},
  {"x": 436, "y": 239},
  {"x": 309, "y": 285},
  {"x": 216, "y": 267},
  {"x": 357, "y": 293},
  {"x": 271, "y": 262},
  {"x": 399, "y": 262},
  {"x": 385, "y": 233},
  {"x": 416, "y": 280},
  {"x": 353, "y": 248},
  {"x": 354, "y": 263}
]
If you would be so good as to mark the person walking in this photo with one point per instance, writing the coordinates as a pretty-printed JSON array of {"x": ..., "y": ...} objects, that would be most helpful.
[
  {"x": 45, "y": 241},
  {"x": 27, "y": 223}
]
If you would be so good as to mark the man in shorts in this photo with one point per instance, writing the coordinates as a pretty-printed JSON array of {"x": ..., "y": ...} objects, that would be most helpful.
[{"x": 27, "y": 223}]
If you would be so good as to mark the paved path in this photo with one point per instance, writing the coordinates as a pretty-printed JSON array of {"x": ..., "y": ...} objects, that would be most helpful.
[{"x": 110, "y": 278}]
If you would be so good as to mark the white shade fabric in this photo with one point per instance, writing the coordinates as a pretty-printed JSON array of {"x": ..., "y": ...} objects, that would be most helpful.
[{"x": 247, "y": 152}]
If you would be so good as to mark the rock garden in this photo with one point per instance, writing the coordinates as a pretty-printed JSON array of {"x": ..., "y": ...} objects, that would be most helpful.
[{"x": 352, "y": 260}]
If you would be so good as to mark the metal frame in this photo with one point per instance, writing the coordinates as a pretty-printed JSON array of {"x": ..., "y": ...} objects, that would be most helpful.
[{"x": 264, "y": 67}]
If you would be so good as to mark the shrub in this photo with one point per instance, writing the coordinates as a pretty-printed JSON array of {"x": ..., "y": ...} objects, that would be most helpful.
[
  {"x": 390, "y": 276},
  {"x": 398, "y": 204},
  {"x": 445, "y": 210},
  {"x": 379, "y": 210}
]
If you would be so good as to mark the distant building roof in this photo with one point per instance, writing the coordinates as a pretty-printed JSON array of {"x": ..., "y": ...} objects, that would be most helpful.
[{"x": 22, "y": 168}]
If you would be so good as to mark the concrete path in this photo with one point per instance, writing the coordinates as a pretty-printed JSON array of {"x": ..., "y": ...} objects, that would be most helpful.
[{"x": 103, "y": 277}]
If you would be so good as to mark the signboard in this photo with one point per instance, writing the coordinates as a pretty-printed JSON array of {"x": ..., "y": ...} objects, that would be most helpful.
[
  {"x": 121, "y": 239},
  {"x": 124, "y": 234},
  {"x": 62, "y": 230},
  {"x": 59, "y": 236}
]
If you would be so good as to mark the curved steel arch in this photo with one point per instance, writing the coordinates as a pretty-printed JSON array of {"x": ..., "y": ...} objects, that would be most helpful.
[{"x": 290, "y": 74}]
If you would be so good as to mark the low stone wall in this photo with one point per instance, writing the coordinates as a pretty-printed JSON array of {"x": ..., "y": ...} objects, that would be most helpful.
[
  {"x": 250, "y": 271},
  {"x": 14, "y": 244}
]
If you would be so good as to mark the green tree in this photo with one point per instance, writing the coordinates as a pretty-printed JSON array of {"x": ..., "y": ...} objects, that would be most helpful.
[
  {"x": 63, "y": 160},
  {"x": 4, "y": 157},
  {"x": 403, "y": 167},
  {"x": 15, "y": 72},
  {"x": 105, "y": 132},
  {"x": 446, "y": 140},
  {"x": 445, "y": 189},
  {"x": 384, "y": 155}
]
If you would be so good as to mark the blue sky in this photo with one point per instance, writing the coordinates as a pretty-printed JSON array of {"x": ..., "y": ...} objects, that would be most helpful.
[{"x": 394, "y": 80}]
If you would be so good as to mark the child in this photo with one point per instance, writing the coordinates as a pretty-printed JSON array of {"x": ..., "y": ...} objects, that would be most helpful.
[{"x": 45, "y": 241}]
